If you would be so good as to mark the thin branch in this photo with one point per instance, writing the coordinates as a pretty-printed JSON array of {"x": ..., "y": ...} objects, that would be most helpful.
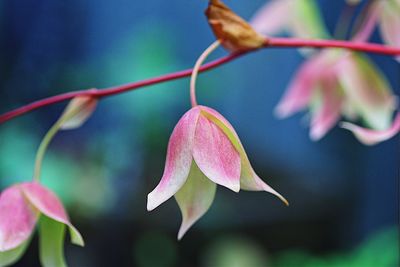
[{"x": 271, "y": 42}]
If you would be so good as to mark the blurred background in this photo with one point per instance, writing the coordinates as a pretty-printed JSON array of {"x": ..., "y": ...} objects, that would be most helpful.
[{"x": 344, "y": 197}]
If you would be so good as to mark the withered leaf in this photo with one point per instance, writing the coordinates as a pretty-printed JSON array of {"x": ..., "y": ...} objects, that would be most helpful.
[{"x": 234, "y": 32}]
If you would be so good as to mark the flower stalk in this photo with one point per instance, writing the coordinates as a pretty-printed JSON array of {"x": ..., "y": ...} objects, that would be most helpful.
[
  {"x": 196, "y": 68},
  {"x": 272, "y": 43}
]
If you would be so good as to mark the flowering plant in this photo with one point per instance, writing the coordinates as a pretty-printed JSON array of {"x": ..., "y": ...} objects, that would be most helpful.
[{"x": 338, "y": 82}]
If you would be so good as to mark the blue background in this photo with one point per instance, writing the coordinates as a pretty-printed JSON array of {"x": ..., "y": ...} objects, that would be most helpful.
[{"x": 341, "y": 192}]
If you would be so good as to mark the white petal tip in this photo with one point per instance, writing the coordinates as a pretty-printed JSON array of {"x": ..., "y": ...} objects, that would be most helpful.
[
  {"x": 235, "y": 187},
  {"x": 152, "y": 202},
  {"x": 316, "y": 134},
  {"x": 183, "y": 229},
  {"x": 281, "y": 113},
  {"x": 346, "y": 125}
]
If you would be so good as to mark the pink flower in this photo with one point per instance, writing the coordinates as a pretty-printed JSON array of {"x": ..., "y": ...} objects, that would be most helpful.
[
  {"x": 203, "y": 150},
  {"x": 300, "y": 18},
  {"x": 371, "y": 137},
  {"x": 334, "y": 83},
  {"x": 21, "y": 206},
  {"x": 389, "y": 21}
]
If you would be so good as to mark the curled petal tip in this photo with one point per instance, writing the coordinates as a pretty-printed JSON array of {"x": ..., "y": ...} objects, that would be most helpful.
[
  {"x": 372, "y": 137},
  {"x": 269, "y": 189},
  {"x": 284, "y": 200}
]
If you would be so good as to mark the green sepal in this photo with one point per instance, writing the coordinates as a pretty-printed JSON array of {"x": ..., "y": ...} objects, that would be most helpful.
[
  {"x": 10, "y": 257},
  {"x": 51, "y": 242}
]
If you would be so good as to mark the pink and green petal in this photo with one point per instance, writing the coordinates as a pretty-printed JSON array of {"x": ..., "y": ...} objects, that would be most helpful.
[
  {"x": 300, "y": 18},
  {"x": 372, "y": 137},
  {"x": 306, "y": 20},
  {"x": 327, "y": 114},
  {"x": 77, "y": 112},
  {"x": 272, "y": 18},
  {"x": 179, "y": 159},
  {"x": 18, "y": 219},
  {"x": 249, "y": 180},
  {"x": 10, "y": 257},
  {"x": 390, "y": 22},
  {"x": 51, "y": 243},
  {"x": 215, "y": 155},
  {"x": 367, "y": 90},
  {"x": 48, "y": 204},
  {"x": 194, "y": 198},
  {"x": 302, "y": 87}
]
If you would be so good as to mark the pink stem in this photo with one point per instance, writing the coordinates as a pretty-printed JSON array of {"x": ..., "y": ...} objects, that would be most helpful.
[
  {"x": 270, "y": 42},
  {"x": 362, "y": 47}
]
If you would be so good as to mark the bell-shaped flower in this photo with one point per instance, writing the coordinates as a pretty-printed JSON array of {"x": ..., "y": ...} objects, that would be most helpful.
[
  {"x": 203, "y": 150},
  {"x": 334, "y": 83},
  {"x": 21, "y": 207},
  {"x": 299, "y": 18},
  {"x": 370, "y": 136}
]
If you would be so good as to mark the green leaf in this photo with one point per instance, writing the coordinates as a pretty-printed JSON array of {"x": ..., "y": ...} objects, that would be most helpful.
[
  {"x": 10, "y": 257},
  {"x": 51, "y": 243}
]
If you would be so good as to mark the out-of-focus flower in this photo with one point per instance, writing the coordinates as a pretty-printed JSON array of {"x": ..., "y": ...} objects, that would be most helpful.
[
  {"x": 21, "y": 206},
  {"x": 371, "y": 137},
  {"x": 386, "y": 15},
  {"x": 300, "y": 18},
  {"x": 389, "y": 21},
  {"x": 203, "y": 150},
  {"x": 334, "y": 83}
]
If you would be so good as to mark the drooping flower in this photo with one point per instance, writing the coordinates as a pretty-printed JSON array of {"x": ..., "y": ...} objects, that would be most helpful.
[
  {"x": 203, "y": 150},
  {"x": 370, "y": 136},
  {"x": 334, "y": 83},
  {"x": 21, "y": 207}
]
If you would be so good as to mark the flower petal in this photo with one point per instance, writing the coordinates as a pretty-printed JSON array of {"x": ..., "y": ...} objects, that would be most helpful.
[
  {"x": 300, "y": 91},
  {"x": 48, "y": 203},
  {"x": 17, "y": 218},
  {"x": 306, "y": 20},
  {"x": 194, "y": 198},
  {"x": 9, "y": 257},
  {"x": 272, "y": 17},
  {"x": 390, "y": 22},
  {"x": 367, "y": 90},
  {"x": 249, "y": 180},
  {"x": 215, "y": 155},
  {"x": 371, "y": 137},
  {"x": 327, "y": 115},
  {"x": 301, "y": 18},
  {"x": 179, "y": 159},
  {"x": 51, "y": 243},
  {"x": 77, "y": 112}
]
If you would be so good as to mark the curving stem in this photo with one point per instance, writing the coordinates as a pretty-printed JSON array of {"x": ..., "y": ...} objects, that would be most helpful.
[{"x": 196, "y": 68}]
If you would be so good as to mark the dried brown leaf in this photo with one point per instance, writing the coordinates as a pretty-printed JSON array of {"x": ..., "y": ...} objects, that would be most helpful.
[{"x": 234, "y": 32}]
